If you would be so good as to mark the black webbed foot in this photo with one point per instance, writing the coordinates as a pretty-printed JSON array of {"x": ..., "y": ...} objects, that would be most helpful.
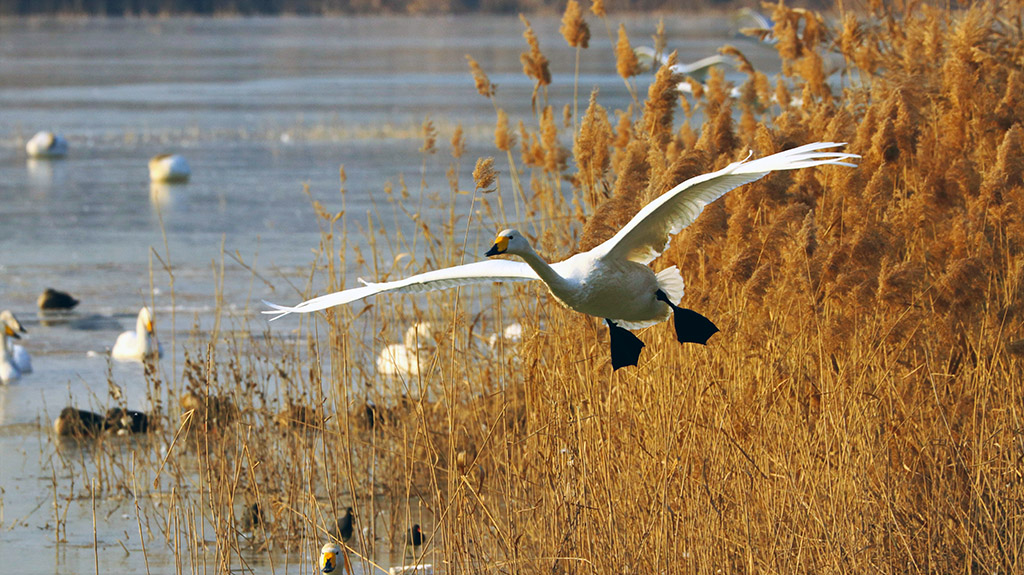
[
  {"x": 625, "y": 346},
  {"x": 691, "y": 327}
]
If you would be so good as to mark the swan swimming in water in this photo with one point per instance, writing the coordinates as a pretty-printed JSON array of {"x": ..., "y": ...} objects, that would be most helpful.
[
  {"x": 409, "y": 357},
  {"x": 613, "y": 280},
  {"x": 329, "y": 556},
  {"x": 140, "y": 344},
  {"x": 170, "y": 168},
  {"x": 46, "y": 145},
  {"x": 14, "y": 360},
  {"x": 18, "y": 354}
]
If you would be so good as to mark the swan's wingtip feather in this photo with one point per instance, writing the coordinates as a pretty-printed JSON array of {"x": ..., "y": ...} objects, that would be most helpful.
[{"x": 278, "y": 311}]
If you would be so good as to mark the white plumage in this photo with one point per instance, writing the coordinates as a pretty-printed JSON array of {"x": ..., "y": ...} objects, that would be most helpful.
[
  {"x": 410, "y": 356},
  {"x": 46, "y": 145},
  {"x": 140, "y": 344},
  {"x": 330, "y": 553},
  {"x": 14, "y": 360},
  {"x": 613, "y": 280},
  {"x": 698, "y": 70},
  {"x": 170, "y": 168}
]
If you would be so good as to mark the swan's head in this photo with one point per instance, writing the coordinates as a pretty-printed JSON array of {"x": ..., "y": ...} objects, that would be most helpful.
[
  {"x": 145, "y": 321},
  {"x": 419, "y": 336},
  {"x": 12, "y": 327},
  {"x": 329, "y": 557},
  {"x": 509, "y": 242}
]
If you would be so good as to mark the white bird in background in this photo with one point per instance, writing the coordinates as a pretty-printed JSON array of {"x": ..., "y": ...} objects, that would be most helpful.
[
  {"x": 513, "y": 334},
  {"x": 46, "y": 145},
  {"x": 409, "y": 357},
  {"x": 762, "y": 29},
  {"x": 140, "y": 344},
  {"x": 19, "y": 354},
  {"x": 698, "y": 70},
  {"x": 613, "y": 280},
  {"x": 330, "y": 554},
  {"x": 169, "y": 168},
  {"x": 12, "y": 357}
]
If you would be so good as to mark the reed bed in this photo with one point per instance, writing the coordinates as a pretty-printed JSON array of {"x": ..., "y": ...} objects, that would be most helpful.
[{"x": 860, "y": 410}]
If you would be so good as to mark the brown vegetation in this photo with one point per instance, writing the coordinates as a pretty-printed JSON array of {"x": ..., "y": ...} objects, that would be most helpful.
[{"x": 859, "y": 411}]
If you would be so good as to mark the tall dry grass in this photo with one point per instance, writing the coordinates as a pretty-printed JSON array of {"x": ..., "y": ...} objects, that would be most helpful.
[{"x": 860, "y": 410}]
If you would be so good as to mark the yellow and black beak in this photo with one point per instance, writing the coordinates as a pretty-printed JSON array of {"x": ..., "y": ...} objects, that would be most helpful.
[
  {"x": 149, "y": 326},
  {"x": 500, "y": 246},
  {"x": 10, "y": 332},
  {"x": 328, "y": 562}
]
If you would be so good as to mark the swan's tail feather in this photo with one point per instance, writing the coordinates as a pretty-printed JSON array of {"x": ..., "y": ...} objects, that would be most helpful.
[{"x": 671, "y": 282}]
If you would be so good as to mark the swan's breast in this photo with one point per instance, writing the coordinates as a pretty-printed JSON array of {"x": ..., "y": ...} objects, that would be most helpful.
[{"x": 621, "y": 290}]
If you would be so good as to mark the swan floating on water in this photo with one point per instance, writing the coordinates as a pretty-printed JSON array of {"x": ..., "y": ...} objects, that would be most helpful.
[
  {"x": 14, "y": 360},
  {"x": 18, "y": 354},
  {"x": 513, "y": 334},
  {"x": 140, "y": 344},
  {"x": 46, "y": 145},
  {"x": 409, "y": 357},
  {"x": 613, "y": 280},
  {"x": 170, "y": 168},
  {"x": 329, "y": 556}
]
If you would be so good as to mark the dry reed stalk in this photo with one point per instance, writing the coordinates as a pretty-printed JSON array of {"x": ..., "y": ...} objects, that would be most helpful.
[
  {"x": 577, "y": 34},
  {"x": 626, "y": 63},
  {"x": 535, "y": 63}
]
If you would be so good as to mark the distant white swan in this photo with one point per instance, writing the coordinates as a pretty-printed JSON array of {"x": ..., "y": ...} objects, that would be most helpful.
[
  {"x": 513, "y": 334},
  {"x": 10, "y": 364},
  {"x": 698, "y": 71},
  {"x": 613, "y": 280},
  {"x": 18, "y": 354},
  {"x": 46, "y": 145},
  {"x": 140, "y": 344},
  {"x": 409, "y": 357},
  {"x": 762, "y": 29},
  {"x": 650, "y": 60},
  {"x": 170, "y": 168}
]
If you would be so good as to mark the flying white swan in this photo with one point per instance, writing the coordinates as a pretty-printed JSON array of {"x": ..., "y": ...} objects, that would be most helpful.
[
  {"x": 762, "y": 29},
  {"x": 13, "y": 358},
  {"x": 140, "y": 344},
  {"x": 647, "y": 58},
  {"x": 46, "y": 145},
  {"x": 170, "y": 168},
  {"x": 613, "y": 280},
  {"x": 698, "y": 70}
]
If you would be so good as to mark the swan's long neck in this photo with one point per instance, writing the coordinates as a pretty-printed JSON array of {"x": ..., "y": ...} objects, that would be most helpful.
[
  {"x": 547, "y": 274},
  {"x": 142, "y": 335}
]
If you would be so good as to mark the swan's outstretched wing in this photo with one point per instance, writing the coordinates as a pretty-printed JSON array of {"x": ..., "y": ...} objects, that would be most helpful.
[
  {"x": 699, "y": 70},
  {"x": 476, "y": 272},
  {"x": 651, "y": 229}
]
